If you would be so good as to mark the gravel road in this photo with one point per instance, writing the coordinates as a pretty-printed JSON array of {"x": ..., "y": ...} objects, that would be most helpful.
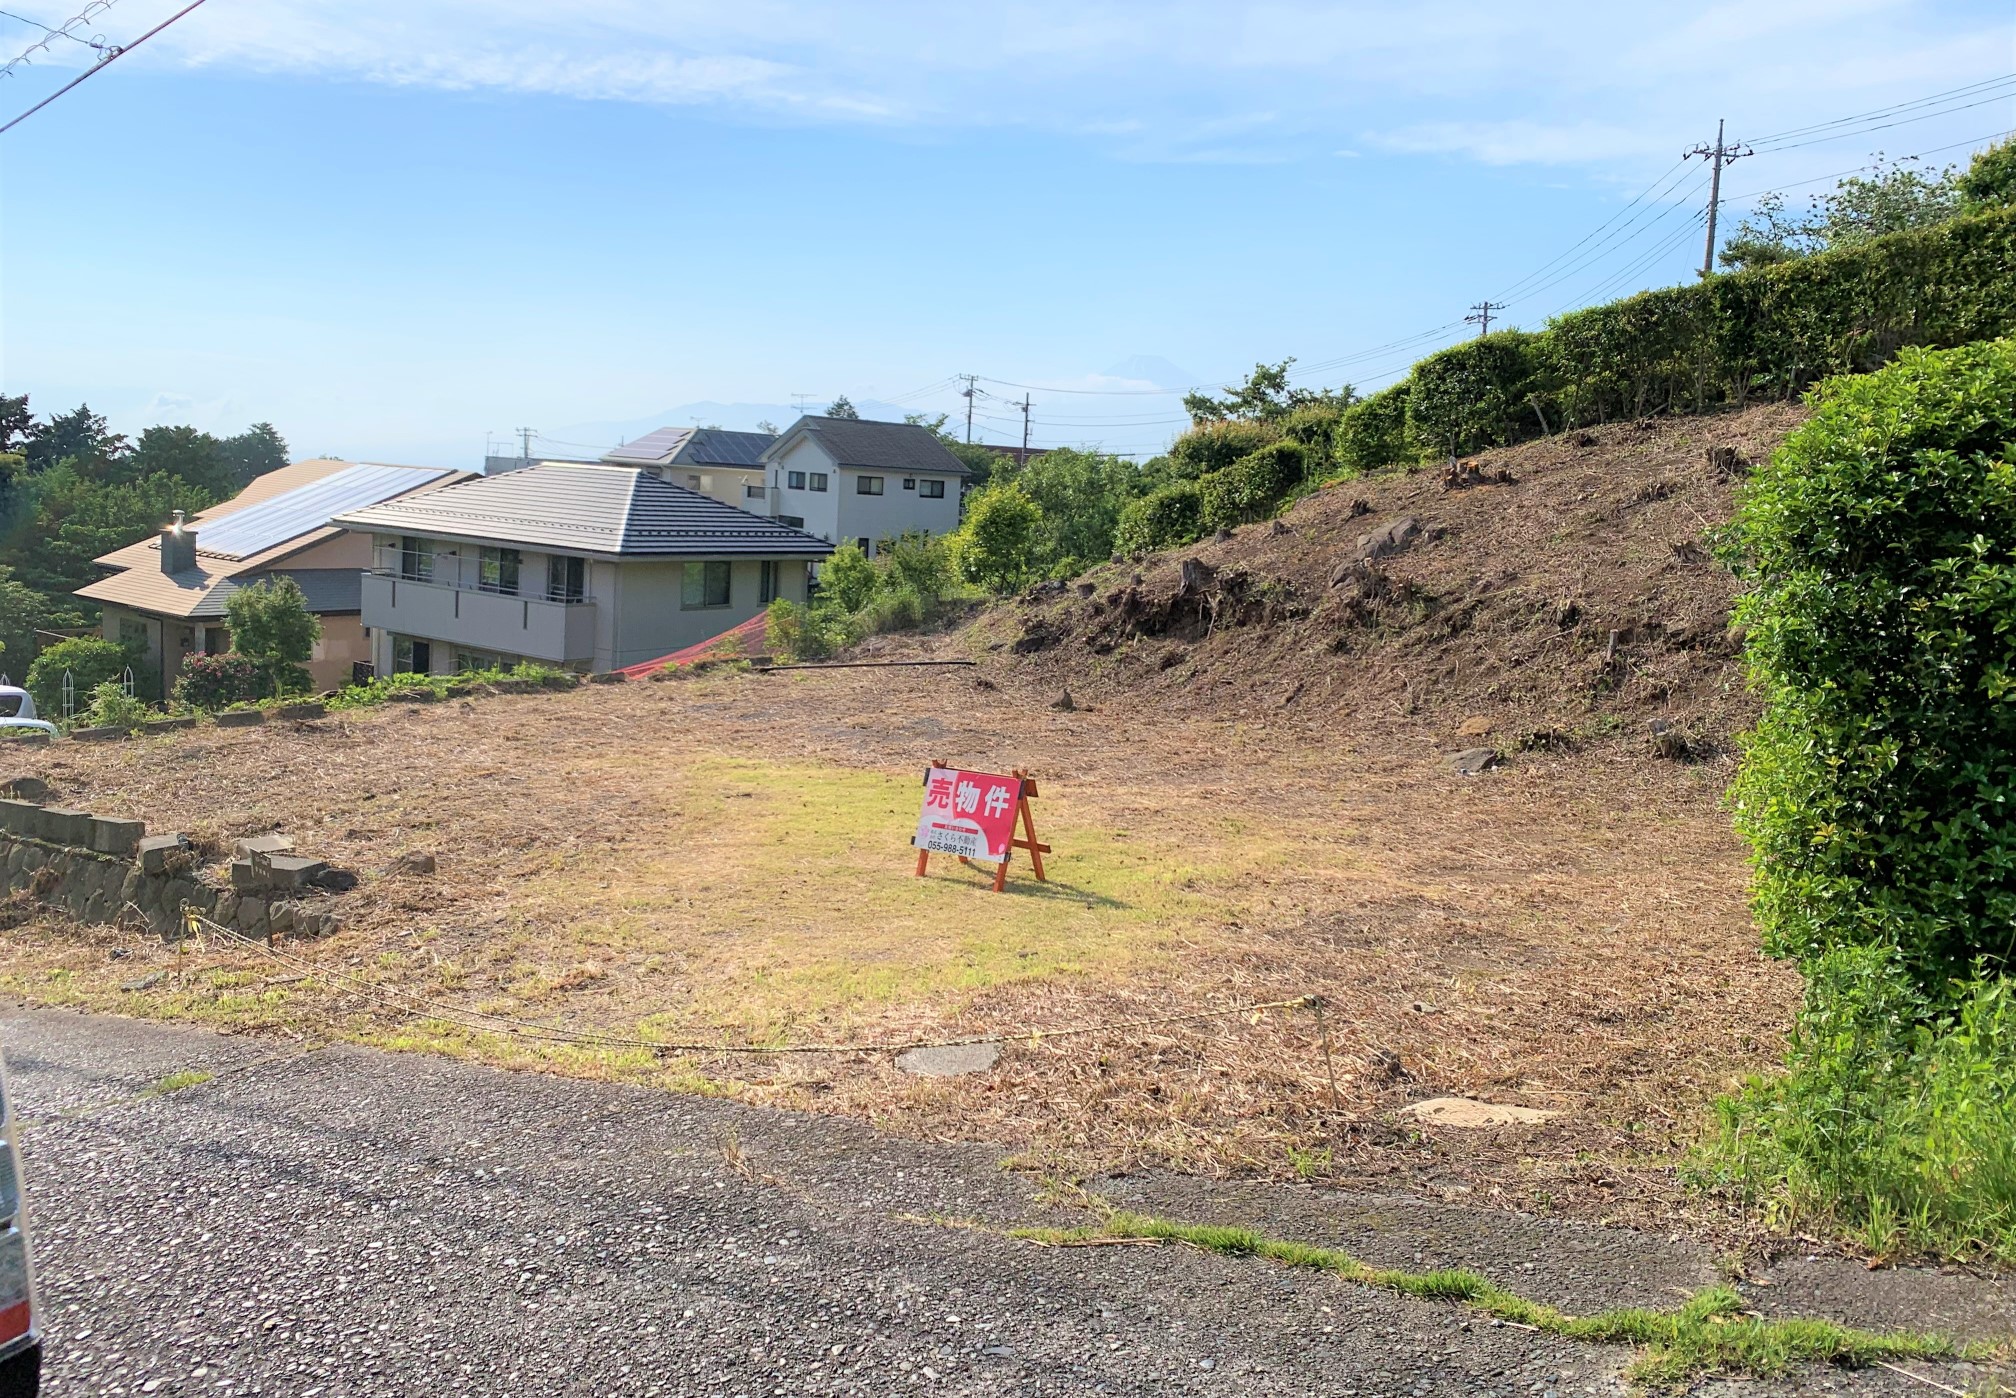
[{"x": 338, "y": 1221}]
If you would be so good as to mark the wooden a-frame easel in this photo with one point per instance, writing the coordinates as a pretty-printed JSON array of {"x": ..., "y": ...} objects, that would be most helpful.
[{"x": 1027, "y": 823}]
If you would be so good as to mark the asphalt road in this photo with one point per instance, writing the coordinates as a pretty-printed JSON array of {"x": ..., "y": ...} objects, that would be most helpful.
[{"x": 343, "y": 1222}]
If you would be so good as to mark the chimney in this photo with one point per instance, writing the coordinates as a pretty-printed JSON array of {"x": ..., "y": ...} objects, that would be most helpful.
[{"x": 178, "y": 547}]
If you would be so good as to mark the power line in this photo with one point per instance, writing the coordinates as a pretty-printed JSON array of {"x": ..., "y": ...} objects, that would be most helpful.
[
  {"x": 62, "y": 31},
  {"x": 1937, "y": 97},
  {"x": 1902, "y": 121},
  {"x": 99, "y": 67},
  {"x": 1480, "y": 316}
]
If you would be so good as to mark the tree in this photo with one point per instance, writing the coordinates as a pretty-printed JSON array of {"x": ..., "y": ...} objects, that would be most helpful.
[
  {"x": 195, "y": 456},
  {"x": 73, "y": 519},
  {"x": 1081, "y": 495},
  {"x": 848, "y": 578},
  {"x": 1265, "y": 396},
  {"x": 16, "y": 422},
  {"x": 840, "y": 407},
  {"x": 1990, "y": 179},
  {"x": 996, "y": 546},
  {"x": 21, "y": 611},
  {"x": 1890, "y": 200},
  {"x": 79, "y": 435},
  {"x": 272, "y": 627}
]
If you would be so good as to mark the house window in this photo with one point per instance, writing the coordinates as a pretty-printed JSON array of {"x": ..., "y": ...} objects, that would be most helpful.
[
  {"x": 497, "y": 571},
  {"x": 931, "y": 490},
  {"x": 867, "y": 551},
  {"x": 411, "y": 657},
  {"x": 792, "y": 521},
  {"x": 796, "y": 480},
  {"x": 416, "y": 559},
  {"x": 132, "y": 634},
  {"x": 565, "y": 578},
  {"x": 867, "y": 485},
  {"x": 909, "y": 482},
  {"x": 706, "y": 585},
  {"x": 818, "y": 481},
  {"x": 467, "y": 660},
  {"x": 766, "y": 591},
  {"x": 693, "y": 482},
  {"x": 752, "y": 492}
]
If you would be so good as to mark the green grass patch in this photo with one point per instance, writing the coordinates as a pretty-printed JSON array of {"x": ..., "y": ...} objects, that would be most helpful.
[
  {"x": 1710, "y": 1334},
  {"x": 175, "y": 1082}
]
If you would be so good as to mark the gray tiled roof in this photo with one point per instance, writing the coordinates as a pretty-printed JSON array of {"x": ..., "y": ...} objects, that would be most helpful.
[
  {"x": 330, "y": 591},
  {"x": 696, "y": 446},
  {"x": 589, "y": 509},
  {"x": 887, "y": 446}
]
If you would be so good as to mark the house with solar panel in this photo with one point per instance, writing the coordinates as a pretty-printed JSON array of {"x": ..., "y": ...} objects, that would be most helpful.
[
  {"x": 166, "y": 596},
  {"x": 591, "y": 567},
  {"x": 852, "y": 480},
  {"x": 726, "y": 466}
]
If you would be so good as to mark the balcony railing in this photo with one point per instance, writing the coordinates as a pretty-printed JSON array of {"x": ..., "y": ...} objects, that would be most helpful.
[
  {"x": 464, "y": 578},
  {"x": 481, "y": 619}
]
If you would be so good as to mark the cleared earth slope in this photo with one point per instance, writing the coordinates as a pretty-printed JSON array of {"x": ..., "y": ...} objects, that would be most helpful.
[{"x": 1562, "y": 590}]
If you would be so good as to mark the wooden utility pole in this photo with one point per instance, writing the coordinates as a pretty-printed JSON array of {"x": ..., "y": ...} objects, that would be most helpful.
[
  {"x": 1718, "y": 155},
  {"x": 1024, "y": 405},
  {"x": 1481, "y": 316}
]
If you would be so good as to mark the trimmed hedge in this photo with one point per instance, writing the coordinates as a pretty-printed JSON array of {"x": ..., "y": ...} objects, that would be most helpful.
[
  {"x": 1253, "y": 487},
  {"x": 1213, "y": 446},
  {"x": 1880, "y": 544},
  {"x": 1161, "y": 519},
  {"x": 1771, "y": 332}
]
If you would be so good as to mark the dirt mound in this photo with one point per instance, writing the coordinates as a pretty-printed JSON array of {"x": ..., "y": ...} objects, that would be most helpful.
[{"x": 1545, "y": 594}]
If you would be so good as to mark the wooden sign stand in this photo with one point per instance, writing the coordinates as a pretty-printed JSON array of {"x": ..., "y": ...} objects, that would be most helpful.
[{"x": 1027, "y": 824}]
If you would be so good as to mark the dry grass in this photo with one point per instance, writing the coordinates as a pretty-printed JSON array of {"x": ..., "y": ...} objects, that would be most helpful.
[{"x": 732, "y": 853}]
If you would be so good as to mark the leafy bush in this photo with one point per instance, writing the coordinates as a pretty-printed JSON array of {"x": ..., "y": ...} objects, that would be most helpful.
[
  {"x": 112, "y": 707},
  {"x": 1989, "y": 181},
  {"x": 1896, "y": 1122},
  {"x": 848, "y": 578},
  {"x": 1372, "y": 433},
  {"x": 212, "y": 682},
  {"x": 1161, "y": 519},
  {"x": 272, "y": 627},
  {"x": 1212, "y": 446},
  {"x": 996, "y": 546},
  {"x": 1477, "y": 394},
  {"x": 386, "y": 689},
  {"x": 1880, "y": 543},
  {"x": 90, "y": 661},
  {"x": 916, "y": 563},
  {"x": 1253, "y": 487}
]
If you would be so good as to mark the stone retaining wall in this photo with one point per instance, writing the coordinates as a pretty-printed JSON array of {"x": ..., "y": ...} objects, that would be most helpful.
[{"x": 96, "y": 869}]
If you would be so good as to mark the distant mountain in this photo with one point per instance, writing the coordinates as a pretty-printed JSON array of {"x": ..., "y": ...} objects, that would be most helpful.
[{"x": 738, "y": 417}]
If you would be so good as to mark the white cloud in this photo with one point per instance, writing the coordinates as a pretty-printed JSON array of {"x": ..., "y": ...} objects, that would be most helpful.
[{"x": 1576, "y": 82}]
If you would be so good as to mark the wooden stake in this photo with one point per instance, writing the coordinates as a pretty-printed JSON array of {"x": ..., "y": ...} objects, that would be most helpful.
[{"x": 1329, "y": 1068}]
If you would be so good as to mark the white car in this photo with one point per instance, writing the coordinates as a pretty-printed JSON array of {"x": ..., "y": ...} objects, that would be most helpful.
[{"x": 17, "y": 713}]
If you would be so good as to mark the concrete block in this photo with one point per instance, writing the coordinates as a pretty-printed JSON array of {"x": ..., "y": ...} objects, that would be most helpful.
[
  {"x": 20, "y": 817},
  {"x": 28, "y": 738},
  {"x": 26, "y": 789},
  {"x": 120, "y": 837},
  {"x": 241, "y": 718},
  {"x": 307, "y": 710},
  {"x": 99, "y": 735},
  {"x": 261, "y": 844},
  {"x": 167, "y": 725},
  {"x": 419, "y": 694},
  {"x": 155, "y": 852},
  {"x": 62, "y": 826},
  {"x": 293, "y": 871},
  {"x": 608, "y": 677},
  {"x": 247, "y": 878}
]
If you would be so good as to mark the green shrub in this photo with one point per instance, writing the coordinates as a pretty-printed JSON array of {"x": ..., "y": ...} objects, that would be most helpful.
[
  {"x": 1372, "y": 433},
  {"x": 387, "y": 689},
  {"x": 1161, "y": 519},
  {"x": 996, "y": 546},
  {"x": 112, "y": 707},
  {"x": 848, "y": 578},
  {"x": 1314, "y": 427},
  {"x": 1880, "y": 544},
  {"x": 1254, "y": 487},
  {"x": 213, "y": 682},
  {"x": 1212, "y": 446},
  {"x": 1767, "y": 332},
  {"x": 89, "y": 660},
  {"x": 272, "y": 627},
  {"x": 1989, "y": 181},
  {"x": 1476, "y": 394},
  {"x": 793, "y": 632},
  {"x": 916, "y": 563},
  {"x": 893, "y": 609},
  {"x": 1896, "y": 1122}
]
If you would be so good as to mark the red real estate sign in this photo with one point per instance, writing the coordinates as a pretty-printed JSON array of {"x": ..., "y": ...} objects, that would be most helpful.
[{"x": 970, "y": 814}]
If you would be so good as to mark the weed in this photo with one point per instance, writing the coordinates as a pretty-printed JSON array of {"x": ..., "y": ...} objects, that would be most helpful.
[
  {"x": 175, "y": 1082},
  {"x": 1311, "y": 1163},
  {"x": 1710, "y": 1334}
]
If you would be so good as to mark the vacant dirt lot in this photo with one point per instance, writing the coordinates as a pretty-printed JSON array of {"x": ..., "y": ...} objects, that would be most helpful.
[{"x": 1257, "y": 806}]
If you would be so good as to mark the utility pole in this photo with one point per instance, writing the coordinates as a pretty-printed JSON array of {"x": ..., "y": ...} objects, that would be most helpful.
[
  {"x": 1719, "y": 154},
  {"x": 1024, "y": 405},
  {"x": 1482, "y": 317},
  {"x": 525, "y": 435},
  {"x": 969, "y": 394},
  {"x": 799, "y": 400}
]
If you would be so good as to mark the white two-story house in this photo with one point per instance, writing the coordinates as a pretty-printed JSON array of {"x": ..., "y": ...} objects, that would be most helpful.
[
  {"x": 592, "y": 567},
  {"x": 853, "y": 481}
]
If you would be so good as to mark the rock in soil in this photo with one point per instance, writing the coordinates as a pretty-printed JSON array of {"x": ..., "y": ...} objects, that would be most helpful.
[
  {"x": 1468, "y": 1112},
  {"x": 951, "y": 1061},
  {"x": 1471, "y": 761}
]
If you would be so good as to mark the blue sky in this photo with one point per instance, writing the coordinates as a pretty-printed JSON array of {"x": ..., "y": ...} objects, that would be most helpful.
[{"x": 392, "y": 229}]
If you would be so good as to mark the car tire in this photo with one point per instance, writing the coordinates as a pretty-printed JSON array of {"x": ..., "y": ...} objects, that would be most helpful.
[{"x": 21, "y": 1373}]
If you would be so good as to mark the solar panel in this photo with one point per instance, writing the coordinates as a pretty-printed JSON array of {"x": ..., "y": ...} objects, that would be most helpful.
[
  {"x": 259, "y": 527},
  {"x": 652, "y": 446}
]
